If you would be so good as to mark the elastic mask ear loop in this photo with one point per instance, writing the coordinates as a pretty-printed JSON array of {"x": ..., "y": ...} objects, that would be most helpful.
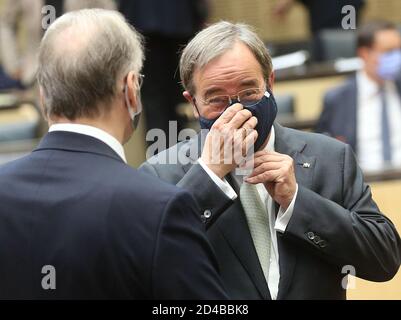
[{"x": 134, "y": 115}]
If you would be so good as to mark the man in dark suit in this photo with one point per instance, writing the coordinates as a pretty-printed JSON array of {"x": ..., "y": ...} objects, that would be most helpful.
[
  {"x": 76, "y": 222},
  {"x": 365, "y": 111},
  {"x": 304, "y": 216}
]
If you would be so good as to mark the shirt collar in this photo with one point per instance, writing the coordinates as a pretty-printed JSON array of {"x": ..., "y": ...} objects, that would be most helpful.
[
  {"x": 94, "y": 132},
  {"x": 366, "y": 85}
]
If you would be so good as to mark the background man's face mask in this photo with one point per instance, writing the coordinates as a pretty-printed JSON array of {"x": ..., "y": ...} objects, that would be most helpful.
[
  {"x": 265, "y": 110},
  {"x": 389, "y": 67}
]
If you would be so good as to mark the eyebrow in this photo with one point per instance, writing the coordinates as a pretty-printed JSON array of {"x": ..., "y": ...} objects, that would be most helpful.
[
  {"x": 249, "y": 82},
  {"x": 213, "y": 90}
]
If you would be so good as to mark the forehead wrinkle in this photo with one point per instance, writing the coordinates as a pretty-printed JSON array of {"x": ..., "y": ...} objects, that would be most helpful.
[
  {"x": 225, "y": 73},
  {"x": 229, "y": 82}
]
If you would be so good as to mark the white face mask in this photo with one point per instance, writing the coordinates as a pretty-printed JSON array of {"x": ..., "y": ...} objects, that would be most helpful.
[{"x": 135, "y": 116}]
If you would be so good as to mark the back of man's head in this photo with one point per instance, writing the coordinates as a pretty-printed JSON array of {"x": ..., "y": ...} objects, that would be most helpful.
[{"x": 82, "y": 57}]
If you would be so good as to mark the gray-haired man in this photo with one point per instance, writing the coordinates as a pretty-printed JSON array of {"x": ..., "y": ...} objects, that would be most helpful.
[
  {"x": 287, "y": 229},
  {"x": 76, "y": 222}
]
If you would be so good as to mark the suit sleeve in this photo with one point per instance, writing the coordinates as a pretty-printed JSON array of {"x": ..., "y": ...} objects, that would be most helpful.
[
  {"x": 353, "y": 232},
  {"x": 184, "y": 265},
  {"x": 211, "y": 200}
]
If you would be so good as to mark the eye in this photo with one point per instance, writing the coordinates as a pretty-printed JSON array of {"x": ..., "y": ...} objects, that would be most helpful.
[
  {"x": 219, "y": 100},
  {"x": 250, "y": 94}
]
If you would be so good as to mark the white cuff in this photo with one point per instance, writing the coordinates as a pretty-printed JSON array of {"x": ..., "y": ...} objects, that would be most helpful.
[
  {"x": 221, "y": 183},
  {"x": 283, "y": 218}
]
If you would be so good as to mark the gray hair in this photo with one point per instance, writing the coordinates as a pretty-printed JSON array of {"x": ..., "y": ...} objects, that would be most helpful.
[
  {"x": 81, "y": 59},
  {"x": 214, "y": 41}
]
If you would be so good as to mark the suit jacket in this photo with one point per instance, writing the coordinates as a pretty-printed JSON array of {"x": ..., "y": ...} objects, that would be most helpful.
[
  {"x": 108, "y": 230},
  {"x": 339, "y": 116},
  {"x": 335, "y": 222}
]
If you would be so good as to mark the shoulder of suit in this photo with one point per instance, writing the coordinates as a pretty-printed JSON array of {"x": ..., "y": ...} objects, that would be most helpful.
[
  {"x": 319, "y": 144},
  {"x": 178, "y": 151},
  {"x": 15, "y": 165},
  {"x": 146, "y": 182},
  {"x": 341, "y": 89}
]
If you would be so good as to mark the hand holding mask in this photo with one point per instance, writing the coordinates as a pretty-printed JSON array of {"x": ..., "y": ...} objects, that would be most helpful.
[{"x": 259, "y": 116}]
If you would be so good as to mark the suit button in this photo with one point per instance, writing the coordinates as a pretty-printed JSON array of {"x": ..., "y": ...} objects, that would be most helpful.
[
  {"x": 316, "y": 239},
  {"x": 207, "y": 214},
  {"x": 322, "y": 244},
  {"x": 311, "y": 235}
]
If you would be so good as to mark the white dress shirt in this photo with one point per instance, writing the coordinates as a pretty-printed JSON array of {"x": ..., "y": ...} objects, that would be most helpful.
[
  {"x": 94, "y": 132},
  {"x": 278, "y": 224},
  {"x": 369, "y": 137}
]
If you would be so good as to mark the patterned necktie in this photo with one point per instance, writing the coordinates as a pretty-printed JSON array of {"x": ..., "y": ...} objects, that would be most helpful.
[
  {"x": 385, "y": 125},
  {"x": 258, "y": 222}
]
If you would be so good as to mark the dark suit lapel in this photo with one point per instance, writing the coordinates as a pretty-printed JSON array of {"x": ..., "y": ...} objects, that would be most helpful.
[
  {"x": 293, "y": 146},
  {"x": 233, "y": 226}
]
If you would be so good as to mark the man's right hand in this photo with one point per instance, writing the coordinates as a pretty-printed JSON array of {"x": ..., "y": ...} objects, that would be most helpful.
[{"x": 229, "y": 140}]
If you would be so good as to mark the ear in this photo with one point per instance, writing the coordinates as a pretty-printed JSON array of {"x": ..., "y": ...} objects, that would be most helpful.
[
  {"x": 271, "y": 80},
  {"x": 131, "y": 90},
  {"x": 190, "y": 99}
]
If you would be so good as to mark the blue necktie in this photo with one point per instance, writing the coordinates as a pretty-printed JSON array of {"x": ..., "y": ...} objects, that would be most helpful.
[{"x": 386, "y": 139}]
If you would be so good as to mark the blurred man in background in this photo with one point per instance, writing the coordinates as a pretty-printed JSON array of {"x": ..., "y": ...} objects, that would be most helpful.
[
  {"x": 365, "y": 111},
  {"x": 167, "y": 26},
  {"x": 76, "y": 222},
  {"x": 19, "y": 61}
]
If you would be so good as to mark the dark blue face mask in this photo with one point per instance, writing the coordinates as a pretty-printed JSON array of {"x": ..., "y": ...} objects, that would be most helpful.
[{"x": 265, "y": 110}]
